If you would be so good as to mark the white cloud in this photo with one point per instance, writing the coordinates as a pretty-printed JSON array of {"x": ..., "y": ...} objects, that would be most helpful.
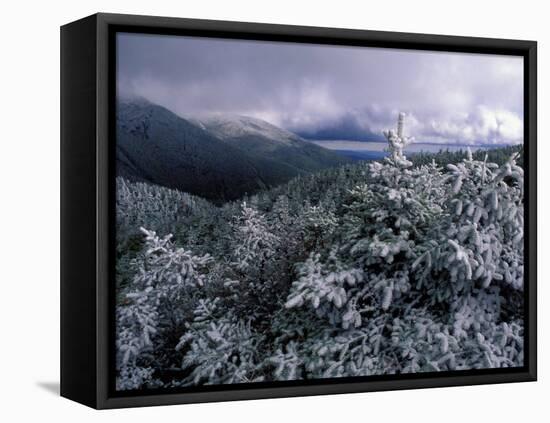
[{"x": 483, "y": 125}]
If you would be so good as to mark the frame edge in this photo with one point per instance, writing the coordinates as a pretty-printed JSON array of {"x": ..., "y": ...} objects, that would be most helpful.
[{"x": 78, "y": 167}]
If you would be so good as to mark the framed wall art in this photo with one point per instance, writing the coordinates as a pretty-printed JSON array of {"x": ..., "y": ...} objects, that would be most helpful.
[{"x": 256, "y": 211}]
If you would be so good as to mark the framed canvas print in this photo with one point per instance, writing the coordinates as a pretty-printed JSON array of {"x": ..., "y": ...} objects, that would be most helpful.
[{"x": 255, "y": 211}]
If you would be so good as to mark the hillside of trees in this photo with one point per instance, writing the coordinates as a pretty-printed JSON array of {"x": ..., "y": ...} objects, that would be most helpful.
[
  {"x": 370, "y": 268},
  {"x": 498, "y": 155}
]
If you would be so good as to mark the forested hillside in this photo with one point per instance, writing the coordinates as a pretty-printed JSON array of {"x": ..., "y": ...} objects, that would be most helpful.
[
  {"x": 498, "y": 155},
  {"x": 365, "y": 269},
  {"x": 221, "y": 160}
]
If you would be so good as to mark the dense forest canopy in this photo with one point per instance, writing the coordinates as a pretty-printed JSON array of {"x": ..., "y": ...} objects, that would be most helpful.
[{"x": 411, "y": 264}]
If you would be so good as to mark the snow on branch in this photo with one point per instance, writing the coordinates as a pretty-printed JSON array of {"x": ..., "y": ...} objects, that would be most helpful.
[{"x": 397, "y": 142}]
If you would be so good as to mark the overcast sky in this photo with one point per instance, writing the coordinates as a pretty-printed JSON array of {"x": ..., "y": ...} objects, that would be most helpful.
[{"x": 329, "y": 91}]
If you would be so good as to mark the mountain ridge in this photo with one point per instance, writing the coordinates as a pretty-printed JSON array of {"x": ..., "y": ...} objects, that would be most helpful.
[{"x": 219, "y": 162}]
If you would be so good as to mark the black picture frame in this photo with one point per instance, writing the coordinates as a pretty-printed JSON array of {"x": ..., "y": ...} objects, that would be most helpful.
[{"x": 87, "y": 211}]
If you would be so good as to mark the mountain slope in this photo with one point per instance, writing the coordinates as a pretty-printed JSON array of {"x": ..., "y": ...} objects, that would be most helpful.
[
  {"x": 219, "y": 159},
  {"x": 157, "y": 146},
  {"x": 262, "y": 141}
]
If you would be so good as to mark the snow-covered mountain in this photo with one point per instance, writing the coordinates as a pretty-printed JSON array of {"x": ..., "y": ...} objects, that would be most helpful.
[
  {"x": 281, "y": 150},
  {"x": 155, "y": 145},
  {"x": 228, "y": 127},
  {"x": 219, "y": 158}
]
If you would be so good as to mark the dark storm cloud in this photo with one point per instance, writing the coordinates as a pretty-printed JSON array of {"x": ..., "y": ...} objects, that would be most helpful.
[{"x": 315, "y": 90}]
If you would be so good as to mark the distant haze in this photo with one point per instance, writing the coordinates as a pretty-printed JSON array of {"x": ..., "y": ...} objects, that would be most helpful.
[{"x": 329, "y": 92}]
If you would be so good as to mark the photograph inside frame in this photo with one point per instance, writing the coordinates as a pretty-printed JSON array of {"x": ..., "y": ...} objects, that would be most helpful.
[{"x": 291, "y": 211}]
